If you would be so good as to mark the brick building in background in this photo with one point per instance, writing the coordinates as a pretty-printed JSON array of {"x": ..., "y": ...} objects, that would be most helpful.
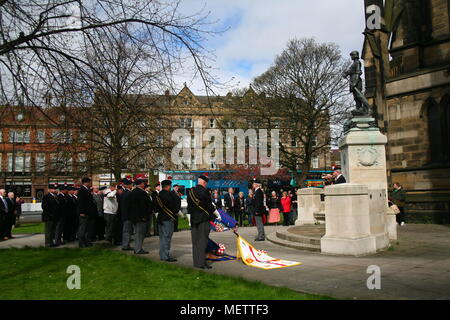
[
  {"x": 407, "y": 66},
  {"x": 41, "y": 146}
]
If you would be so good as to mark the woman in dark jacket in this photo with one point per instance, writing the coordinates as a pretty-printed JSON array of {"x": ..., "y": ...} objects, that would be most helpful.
[
  {"x": 399, "y": 197},
  {"x": 250, "y": 208}
]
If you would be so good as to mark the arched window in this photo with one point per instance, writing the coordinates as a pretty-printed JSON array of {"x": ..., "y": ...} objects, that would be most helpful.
[{"x": 439, "y": 129}]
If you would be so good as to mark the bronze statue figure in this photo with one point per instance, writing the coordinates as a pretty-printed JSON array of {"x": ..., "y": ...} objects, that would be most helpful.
[{"x": 356, "y": 86}]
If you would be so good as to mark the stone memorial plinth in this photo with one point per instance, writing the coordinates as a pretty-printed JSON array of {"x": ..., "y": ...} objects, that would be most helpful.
[
  {"x": 347, "y": 221},
  {"x": 363, "y": 160},
  {"x": 308, "y": 203}
]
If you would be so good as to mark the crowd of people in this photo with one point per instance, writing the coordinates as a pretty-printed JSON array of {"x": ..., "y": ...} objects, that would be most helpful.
[
  {"x": 114, "y": 213},
  {"x": 131, "y": 210},
  {"x": 10, "y": 211}
]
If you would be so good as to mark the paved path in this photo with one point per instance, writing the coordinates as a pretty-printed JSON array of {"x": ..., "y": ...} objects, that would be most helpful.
[{"x": 418, "y": 266}]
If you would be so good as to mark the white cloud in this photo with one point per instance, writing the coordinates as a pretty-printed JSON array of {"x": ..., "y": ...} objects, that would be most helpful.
[{"x": 259, "y": 30}]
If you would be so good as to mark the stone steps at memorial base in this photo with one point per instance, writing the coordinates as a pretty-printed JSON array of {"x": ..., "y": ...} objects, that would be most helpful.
[{"x": 273, "y": 237}]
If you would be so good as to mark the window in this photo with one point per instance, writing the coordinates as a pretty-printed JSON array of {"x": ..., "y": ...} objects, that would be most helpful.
[
  {"x": 276, "y": 124},
  {"x": 1, "y": 162},
  {"x": 439, "y": 129},
  {"x": 142, "y": 139},
  {"x": 159, "y": 123},
  {"x": 160, "y": 162},
  {"x": 142, "y": 163},
  {"x": 186, "y": 123},
  {"x": 19, "y": 136},
  {"x": 315, "y": 163},
  {"x": 293, "y": 142},
  {"x": 40, "y": 162},
  {"x": 228, "y": 124},
  {"x": 40, "y": 136},
  {"x": 1, "y": 136},
  {"x": 82, "y": 137},
  {"x": 212, "y": 123},
  {"x": 159, "y": 141},
  {"x": 56, "y": 136},
  {"x": 82, "y": 162},
  {"x": 21, "y": 162}
]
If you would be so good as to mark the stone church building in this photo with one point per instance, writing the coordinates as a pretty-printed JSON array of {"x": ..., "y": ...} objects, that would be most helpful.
[{"x": 407, "y": 66}]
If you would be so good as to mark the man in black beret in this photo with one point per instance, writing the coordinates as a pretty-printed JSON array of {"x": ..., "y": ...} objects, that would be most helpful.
[
  {"x": 127, "y": 229},
  {"x": 62, "y": 213},
  {"x": 140, "y": 212},
  {"x": 155, "y": 208},
  {"x": 202, "y": 211},
  {"x": 87, "y": 212},
  {"x": 177, "y": 197},
  {"x": 50, "y": 208},
  {"x": 168, "y": 207},
  {"x": 260, "y": 209}
]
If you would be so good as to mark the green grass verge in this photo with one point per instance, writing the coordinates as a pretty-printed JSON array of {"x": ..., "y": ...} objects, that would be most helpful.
[
  {"x": 40, "y": 273},
  {"x": 29, "y": 228}
]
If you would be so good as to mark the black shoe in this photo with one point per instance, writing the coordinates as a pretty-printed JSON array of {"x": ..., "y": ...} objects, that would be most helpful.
[
  {"x": 127, "y": 249},
  {"x": 171, "y": 260},
  {"x": 141, "y": 252},
  {"x": 207, "y": 266}
]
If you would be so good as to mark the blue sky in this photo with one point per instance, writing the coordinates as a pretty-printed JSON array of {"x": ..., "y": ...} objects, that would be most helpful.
[{"x": 258, "y": 30}]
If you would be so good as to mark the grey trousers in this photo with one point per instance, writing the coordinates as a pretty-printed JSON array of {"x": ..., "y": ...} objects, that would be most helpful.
[
  {"x": 110, "y": 222},
  {"x": 83, "y": 226},
  {"x": 140, "y": 229},
  {"x": 260, "y": 227},
  {"x": 59, "y": 230},
  {"x": 127, "y": 231},
  {"x": 200, "y": 235},
  {"x": 50, "y": 231},
  {"x": 165, "y": 236}
]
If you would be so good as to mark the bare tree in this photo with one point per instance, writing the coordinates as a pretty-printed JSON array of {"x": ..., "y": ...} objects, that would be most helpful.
[
  {"x": 40, "y": 37},
  {"x": 303, "y": 95}
]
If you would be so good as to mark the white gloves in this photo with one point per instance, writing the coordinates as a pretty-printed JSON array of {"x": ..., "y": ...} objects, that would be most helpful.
[{"x": 217, "y": 214}]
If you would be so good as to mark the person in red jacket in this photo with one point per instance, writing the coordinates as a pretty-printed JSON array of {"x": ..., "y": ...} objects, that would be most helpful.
[{"x": 286, "y": 208}]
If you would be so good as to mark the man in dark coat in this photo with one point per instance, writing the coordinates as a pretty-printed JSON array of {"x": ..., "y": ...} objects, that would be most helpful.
[
  {"x": 202, "y": 212},
  {"x": 260, "y": 210},
  {"x": 62, "y": 214},
  {"x": 50, "y": 207},
  {"x": 3, "y": 215},
  {"x": 230, "y": 203},
  {"x": 155, "y": 208},
  {"x": 70, "y": 209},
  {"x": 87, "y": 212},
  {"x": 140, "y": 213},
  {"x": 338, "y": 177},
  {"x": 169, "y": 204},
  {"x": 127, "y": 229},
  {"x": 177, "y": 197},
  {"x": 73, "y": 217}
]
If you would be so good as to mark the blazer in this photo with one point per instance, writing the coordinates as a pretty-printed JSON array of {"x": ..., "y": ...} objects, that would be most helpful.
[
  {"x": 228, "y": 203},
  {"x": 340, "y": 180},
  {"x": 86, "y": 203},
  {"x": 125, "y": 204},
  {"x": 206, "y": 212},
  {"x": 50, "y": 207},
  {"x": 172, "y": 202},
  {"x": 140, "y": 206},
  {"x": 258, "y": 203},
  {"x": 3, "y": 210},
  {"x": 218, "y": 203}
]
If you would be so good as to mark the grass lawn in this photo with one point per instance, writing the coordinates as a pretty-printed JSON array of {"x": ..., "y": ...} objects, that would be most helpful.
[
  {"x": 40, "y": 273},
  {"x": 29, "y": 228}
]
